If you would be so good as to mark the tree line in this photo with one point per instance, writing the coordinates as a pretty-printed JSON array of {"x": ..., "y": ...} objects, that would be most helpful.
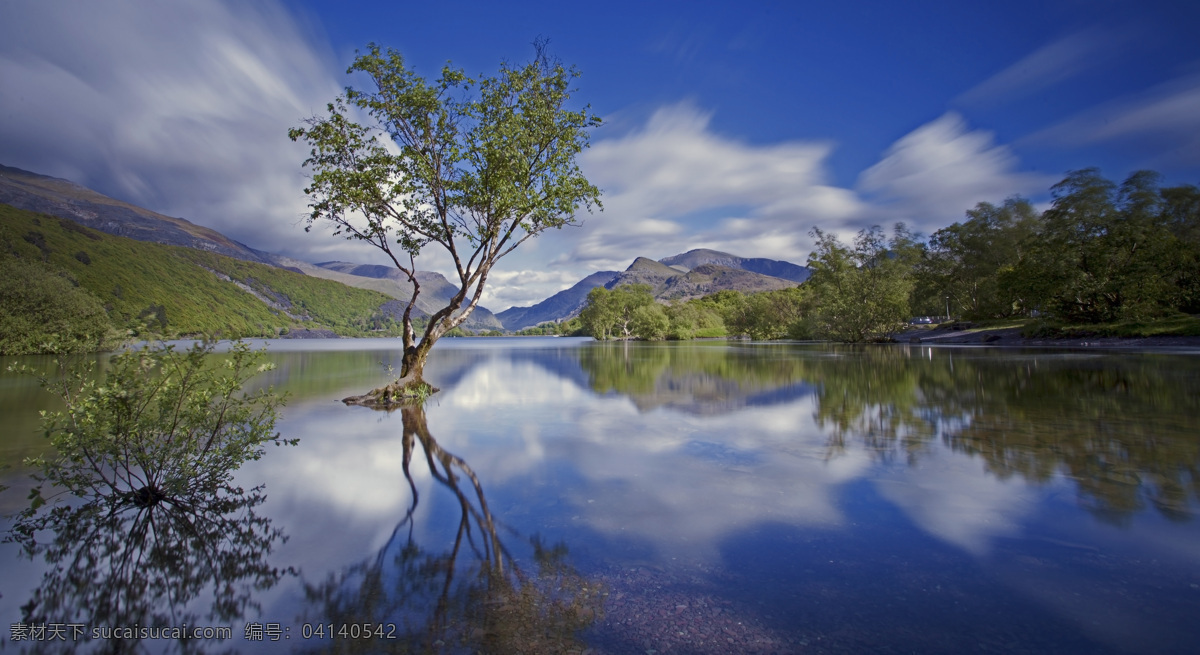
[{"x": 1101, "y": 253}]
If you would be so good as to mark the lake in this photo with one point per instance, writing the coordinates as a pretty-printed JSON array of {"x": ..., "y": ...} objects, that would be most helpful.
[{"x": 563, "y": 495}]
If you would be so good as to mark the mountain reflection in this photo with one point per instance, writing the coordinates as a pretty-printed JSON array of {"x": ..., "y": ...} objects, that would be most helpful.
[
  {"x": 470, "y": 596},
  {"x": 1112, "y": 424},
  {"x": 117, "y": 562}
]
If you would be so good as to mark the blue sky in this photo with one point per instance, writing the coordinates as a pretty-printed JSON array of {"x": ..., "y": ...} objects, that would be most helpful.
[{"x": 731, "y": 125}]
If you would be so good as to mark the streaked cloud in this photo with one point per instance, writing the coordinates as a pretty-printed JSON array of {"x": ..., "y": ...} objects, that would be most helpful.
[
  {"x": 182, "y": 108},
  {"x": 1045, "y": 67},
  {"x": 1161, "y": 125}
]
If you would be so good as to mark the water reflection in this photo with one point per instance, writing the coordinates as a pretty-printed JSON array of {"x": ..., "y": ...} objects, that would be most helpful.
[
  {"x": 118, "y": 562},
  {"x": 790, "y": 498},
  {"x": 700, "y": 379},
  {"x": 469, "y": 596},
  {"x": 1117, "y": 426}
]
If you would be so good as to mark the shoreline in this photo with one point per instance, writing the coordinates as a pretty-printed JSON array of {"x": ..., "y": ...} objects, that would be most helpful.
[{"x": 1012, "y": 338}]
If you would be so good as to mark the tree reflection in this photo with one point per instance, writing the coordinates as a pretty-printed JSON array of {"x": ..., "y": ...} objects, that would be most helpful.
[
  {"x": 700, "y": 379},
  {"x": 471, "y": 597},
  {"x": 1116, "y": 424},
  {"x": 1112, "y": 424},
  {"x": 119, "y": 561}
]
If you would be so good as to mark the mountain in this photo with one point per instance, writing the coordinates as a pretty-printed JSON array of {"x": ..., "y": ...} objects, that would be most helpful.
[
  {"x": 64, "y": 199},
  {"x": 564, "y": 304},
  {"x": 436, "y": 290},
  {"x": 181, "y": 291},
  {"x": 666, "y": 283},
  {"x": 710, "y": 278},
  {"x": 774, "y": 268},
  {"x": 689, "y": 275}
]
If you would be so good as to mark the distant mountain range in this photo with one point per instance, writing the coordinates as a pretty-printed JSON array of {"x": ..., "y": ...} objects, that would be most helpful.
[
  {"x": 562, "y": 305},
  {"x": 679, "y": 277},
  {"x": 690, "y": 275}
]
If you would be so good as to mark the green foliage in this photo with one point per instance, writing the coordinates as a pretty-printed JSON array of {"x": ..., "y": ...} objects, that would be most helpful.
[
  {"x": 610, "y": 313},
  {"x": 569, "y": 328},
  {"x": 971, "y": 265},
  {"x": 650, "y": 322},
  {"x": 1103, "y": 254},
  {"x": 161, "y": 426},
  {"x": 43, "y": 311},
  {"x": 861, "y": 294},
  {"x": 1108, "y": 253},
  {"x": 151, "y": 519},
  {"x": 769, "y": 314},
  {"x": 693, "y": 319},
  {"x": 348, "y": 311},
  {"x": 572, "y": 327},
  {"x": 152, "y": 288},
  {"x": 475, "y": 168}
]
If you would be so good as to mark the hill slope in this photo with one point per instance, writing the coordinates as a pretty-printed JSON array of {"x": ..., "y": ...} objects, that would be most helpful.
[
  {"x": 436, "y": 290},
  {"x": 65, "y": 199},
  {"x": 183, "y": 291},
  {"x": 564, "y": 304},
  {"x": 772, "y": 267}
]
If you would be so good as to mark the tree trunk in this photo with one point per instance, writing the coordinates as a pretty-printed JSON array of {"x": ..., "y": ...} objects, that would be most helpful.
[{"x": 408, "y": 389}]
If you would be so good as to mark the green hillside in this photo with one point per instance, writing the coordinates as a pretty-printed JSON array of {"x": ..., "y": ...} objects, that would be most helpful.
[{"x": 178, "y": 291}]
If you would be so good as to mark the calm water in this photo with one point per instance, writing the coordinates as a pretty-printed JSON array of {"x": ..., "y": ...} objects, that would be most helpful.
[{"x": 675, "y": 498}]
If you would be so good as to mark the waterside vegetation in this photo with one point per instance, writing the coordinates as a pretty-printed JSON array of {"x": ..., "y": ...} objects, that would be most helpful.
[
  {"x": 135, "y": 511},
  {"x": 1104, "y": 259}
]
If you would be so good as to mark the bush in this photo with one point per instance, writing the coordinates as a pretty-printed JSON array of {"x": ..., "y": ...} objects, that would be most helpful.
[
  {"x": 162, "y": 426},
  {"x": 154, "y": 521}
]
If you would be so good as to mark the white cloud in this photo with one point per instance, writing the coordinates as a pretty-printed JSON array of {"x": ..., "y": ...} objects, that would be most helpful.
[
  {"x": 673, "y": 185},
  {"x": 932, "y": 175},
  {"x": 182, "y": 108},
  {"x": 523, "y": 288}
]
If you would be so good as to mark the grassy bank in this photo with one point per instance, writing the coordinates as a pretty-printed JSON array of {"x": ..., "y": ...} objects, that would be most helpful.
[{"x": 1181, "y": 325}]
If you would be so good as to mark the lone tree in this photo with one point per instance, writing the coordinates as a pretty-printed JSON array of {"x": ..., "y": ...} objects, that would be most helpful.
[{"x": 475, "y": 168}]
